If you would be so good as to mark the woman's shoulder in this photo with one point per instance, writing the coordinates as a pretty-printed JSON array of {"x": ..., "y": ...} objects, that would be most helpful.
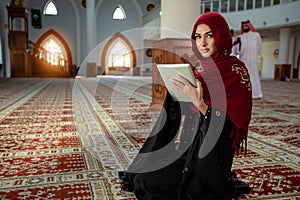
[
  {"x": 235, "y": 63},
  {"x": 241, "y": 74},
  {"x": 238, "y": 66}
]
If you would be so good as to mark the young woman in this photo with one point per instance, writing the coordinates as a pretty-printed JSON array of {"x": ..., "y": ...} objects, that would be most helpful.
[{"x": 190, "y": 150}]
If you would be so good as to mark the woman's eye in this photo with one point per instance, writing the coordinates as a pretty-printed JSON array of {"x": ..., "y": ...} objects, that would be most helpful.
[
  {"x": 210, "y": 35},
  {"x": 197, "y": 36}
]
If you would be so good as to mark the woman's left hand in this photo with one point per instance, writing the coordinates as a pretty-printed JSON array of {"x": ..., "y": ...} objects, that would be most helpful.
[{"x": 195, "y": 94}]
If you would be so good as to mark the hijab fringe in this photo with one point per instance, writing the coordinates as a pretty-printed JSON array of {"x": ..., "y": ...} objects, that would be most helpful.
[{"x": 239, "y": 139}]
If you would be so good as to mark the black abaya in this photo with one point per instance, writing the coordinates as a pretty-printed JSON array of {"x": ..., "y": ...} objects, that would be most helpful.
[{"x": 188, "y": 177}]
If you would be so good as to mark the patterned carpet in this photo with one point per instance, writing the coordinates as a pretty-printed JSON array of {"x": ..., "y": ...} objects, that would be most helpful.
[{"x": 68, "y": 138}]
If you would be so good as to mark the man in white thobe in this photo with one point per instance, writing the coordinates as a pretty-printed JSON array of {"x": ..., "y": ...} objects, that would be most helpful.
[{"x": 248, "y": 53}]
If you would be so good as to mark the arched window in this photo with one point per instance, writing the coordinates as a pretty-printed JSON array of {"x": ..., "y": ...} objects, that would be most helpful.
[
  {"x": 119, "y": 13},
  {"x": 50, "y": 8},
  {"x": 55, "y": 55}
]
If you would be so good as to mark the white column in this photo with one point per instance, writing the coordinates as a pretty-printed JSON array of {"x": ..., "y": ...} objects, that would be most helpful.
[
  {"x": 284, "y": 46},
  {"x": 90, "y": 25},
  {"x": 178, "y": 17}
]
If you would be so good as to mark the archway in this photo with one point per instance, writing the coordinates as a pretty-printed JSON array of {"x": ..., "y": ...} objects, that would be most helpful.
[
  {"x": 56, "y": 52},
  {"x": 118, "y": 56}
]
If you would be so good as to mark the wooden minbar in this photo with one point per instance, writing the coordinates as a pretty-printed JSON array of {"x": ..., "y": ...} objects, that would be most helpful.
[{"x": 18, "y": 38}]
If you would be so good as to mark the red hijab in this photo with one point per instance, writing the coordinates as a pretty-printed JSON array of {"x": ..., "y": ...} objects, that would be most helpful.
[{"x": 225, "y": 80}]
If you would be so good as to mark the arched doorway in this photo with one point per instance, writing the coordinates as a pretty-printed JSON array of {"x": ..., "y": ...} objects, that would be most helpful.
[{"x": 118, "y": 56}]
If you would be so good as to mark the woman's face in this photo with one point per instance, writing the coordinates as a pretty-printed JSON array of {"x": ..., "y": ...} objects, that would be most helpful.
[{"x": 205, "y": 41}]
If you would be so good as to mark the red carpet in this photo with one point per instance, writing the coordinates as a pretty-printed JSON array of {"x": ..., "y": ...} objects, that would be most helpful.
[{"x": 68, "y": 138}]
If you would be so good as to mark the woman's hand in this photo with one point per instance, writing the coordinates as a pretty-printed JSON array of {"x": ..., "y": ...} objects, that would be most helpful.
[{"x": 195, "y": 94}]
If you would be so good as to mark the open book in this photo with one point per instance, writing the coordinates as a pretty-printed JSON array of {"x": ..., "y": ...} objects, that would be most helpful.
[{"x": 170, "y": 71}]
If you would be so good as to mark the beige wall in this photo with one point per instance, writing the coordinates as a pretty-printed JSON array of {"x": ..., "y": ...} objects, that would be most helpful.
[{"x": 178, "y": 17}]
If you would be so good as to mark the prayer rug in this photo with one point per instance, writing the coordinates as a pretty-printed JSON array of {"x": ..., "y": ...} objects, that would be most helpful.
[{"x": 68, "y": 138}]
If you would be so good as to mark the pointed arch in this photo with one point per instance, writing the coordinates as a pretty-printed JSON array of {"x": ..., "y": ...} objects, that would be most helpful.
[
  {"x": 135, "y": 2},
  {"x": 52, "y": 34},
  {"x": 121, "y": 40},
  {"x": 50, "y": 8},
  {"x": 61, "y": 40},
  {"x": 119, "y": 13}
]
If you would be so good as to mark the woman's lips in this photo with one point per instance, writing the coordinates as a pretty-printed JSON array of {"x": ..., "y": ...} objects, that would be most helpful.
[{"x": 204, "y": 50}]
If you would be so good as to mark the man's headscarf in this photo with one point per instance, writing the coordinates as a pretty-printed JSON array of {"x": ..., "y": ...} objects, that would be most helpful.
[
  {"x": 251, "y": 27},
  {"x": 227, "y": 70}
]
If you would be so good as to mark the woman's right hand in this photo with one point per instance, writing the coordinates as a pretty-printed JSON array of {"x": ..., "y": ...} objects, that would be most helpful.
[{"x": 195, "y": 94}]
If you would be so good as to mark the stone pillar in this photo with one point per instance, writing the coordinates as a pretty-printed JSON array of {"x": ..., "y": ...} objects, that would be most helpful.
[
  {"x": 90, "y": 25},
  {"x": 284, "y": 45},
  {"x": 282, "y": 70},
  {"x": 90, "y": 38}
]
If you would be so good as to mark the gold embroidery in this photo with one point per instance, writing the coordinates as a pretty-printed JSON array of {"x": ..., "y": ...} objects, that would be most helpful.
[
  {"x": 180, "y": 130},
  {"x": 199, "y": 68},
  {"x": 225, "y": 52},
  {"x": 245, "y": 79}
]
